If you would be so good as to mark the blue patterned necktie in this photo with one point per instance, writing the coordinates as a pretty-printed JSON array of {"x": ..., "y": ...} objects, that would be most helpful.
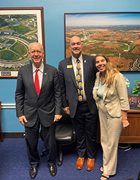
[{"x": 79, "y": 80}]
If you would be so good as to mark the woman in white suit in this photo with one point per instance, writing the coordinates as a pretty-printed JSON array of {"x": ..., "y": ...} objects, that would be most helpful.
[{"x": 110, "y": 94}]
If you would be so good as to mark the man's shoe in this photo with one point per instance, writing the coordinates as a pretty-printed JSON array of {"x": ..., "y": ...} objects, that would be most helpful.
[
  {"x": 52, "y": 169},
  {"x": 33, "y": 171},
  {"x": 80, "y": 163},
  {"x": 90, "y": 164}
]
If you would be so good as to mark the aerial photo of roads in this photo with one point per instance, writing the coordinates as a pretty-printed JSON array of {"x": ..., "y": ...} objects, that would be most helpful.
[
  {"x": 16, "y": 32},
  {"x": 116, "y": 35}
]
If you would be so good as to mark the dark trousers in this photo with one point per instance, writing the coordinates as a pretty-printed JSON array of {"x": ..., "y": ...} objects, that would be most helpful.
[
  {"x": 32, "y": 137},
  {"x": 85, "y": 125}
]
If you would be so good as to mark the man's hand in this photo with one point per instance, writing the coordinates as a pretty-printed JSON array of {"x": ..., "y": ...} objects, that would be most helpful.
[
  {"x": 57, "y": 117},
  {"x": 22, "y": 120},
  {"x": 67, "y": 110}
]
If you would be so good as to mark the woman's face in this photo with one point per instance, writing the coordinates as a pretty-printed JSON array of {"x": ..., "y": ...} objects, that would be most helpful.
[{"x": 101, "y": 63}]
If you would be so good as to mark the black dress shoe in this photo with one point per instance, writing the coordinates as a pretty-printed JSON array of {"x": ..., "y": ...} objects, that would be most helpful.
[
  {"x": 52, "y": 169},
  {"x": 33, "y": 171}
]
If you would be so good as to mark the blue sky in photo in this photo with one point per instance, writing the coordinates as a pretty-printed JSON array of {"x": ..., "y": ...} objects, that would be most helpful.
[{"x": 102, "y": 19}]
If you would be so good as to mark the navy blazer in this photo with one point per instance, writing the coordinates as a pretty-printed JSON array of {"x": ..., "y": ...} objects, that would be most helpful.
[
  {"x": 44, "y": 106},
  {"x": 69, "y": 87}
]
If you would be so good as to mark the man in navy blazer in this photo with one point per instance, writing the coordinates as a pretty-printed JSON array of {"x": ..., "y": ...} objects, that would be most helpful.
[
  {"x": 38, "y": 112},
  {"x": 83, "y": 112}
]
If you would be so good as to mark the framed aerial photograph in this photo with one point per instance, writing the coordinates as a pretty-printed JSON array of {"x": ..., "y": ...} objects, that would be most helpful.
[
  {"x": 18, "y": 28},
  {"x": 116, "y": 35}
]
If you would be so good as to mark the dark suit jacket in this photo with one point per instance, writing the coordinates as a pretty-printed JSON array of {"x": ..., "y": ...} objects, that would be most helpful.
[
  {"x": 69, "y": 87},
  {"x": 44, "y": 106}
]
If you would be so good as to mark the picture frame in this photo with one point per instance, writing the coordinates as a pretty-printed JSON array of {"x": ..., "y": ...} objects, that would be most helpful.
[
  {"x": 134, "y": 102},
  {"x": 18, "y": 28},
  {"x": 114, "y": 34}
]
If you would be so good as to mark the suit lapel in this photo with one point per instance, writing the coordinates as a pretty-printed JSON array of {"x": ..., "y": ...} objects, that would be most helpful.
[
  {"x": 105, "y": 92},
  {"x": 69, "y": 66},
  {"x": 44, "y": 78},
  {"x": 30, "y": 78},
  {"x": 85, "y": 68}
]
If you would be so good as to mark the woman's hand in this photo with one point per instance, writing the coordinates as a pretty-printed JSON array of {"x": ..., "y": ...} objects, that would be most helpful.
[{"x": 125, "y": 123}]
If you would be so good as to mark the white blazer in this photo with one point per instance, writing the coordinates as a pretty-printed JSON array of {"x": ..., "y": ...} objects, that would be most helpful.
[{"x": 115, "y": 97}]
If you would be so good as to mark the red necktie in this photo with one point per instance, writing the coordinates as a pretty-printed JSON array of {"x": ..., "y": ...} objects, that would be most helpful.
[{"x": 37, "y": 85}]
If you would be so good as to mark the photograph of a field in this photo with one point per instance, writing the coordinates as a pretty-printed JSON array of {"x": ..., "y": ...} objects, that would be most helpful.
[
  {"x": 116, "y": 35},
  {"x": 18, "y": 28}
]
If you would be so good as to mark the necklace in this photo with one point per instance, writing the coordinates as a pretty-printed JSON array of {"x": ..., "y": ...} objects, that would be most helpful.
[{"x": 102, "y": 80}]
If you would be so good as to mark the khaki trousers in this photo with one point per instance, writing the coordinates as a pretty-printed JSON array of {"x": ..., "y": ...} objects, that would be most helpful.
[{"x": 110, "y": 130}]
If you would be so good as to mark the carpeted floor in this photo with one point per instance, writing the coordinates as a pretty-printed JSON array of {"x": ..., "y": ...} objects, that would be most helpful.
[{"x": 14, "y": 164}]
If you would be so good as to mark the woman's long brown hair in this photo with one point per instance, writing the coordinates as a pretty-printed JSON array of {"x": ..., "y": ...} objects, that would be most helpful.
[{"x": 110, "y": 71}]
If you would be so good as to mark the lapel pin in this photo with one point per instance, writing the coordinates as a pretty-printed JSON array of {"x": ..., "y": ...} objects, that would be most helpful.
[{"x": 69, "y": 66}]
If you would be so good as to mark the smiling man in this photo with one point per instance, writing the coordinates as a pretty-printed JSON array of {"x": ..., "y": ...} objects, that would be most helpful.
[
  {"x": 77, "y": 76},
  {"x": 38, "y": 106}
]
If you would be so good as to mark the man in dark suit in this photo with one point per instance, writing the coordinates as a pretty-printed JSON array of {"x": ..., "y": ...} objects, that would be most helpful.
[
  {"x": 139, "y": 175},
  {"x": 77, "y": 76},
  {"x": 38, "y": 109}
]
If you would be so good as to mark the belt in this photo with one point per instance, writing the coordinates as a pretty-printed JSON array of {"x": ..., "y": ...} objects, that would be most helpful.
[{"x": 82, "y": 102}]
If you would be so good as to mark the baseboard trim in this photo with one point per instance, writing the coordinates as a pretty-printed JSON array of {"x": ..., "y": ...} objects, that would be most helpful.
[{"x": 13, "y": 135}]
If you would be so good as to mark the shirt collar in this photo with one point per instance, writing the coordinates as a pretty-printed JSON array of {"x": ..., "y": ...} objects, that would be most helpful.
[
  {"x": 41, "y": 68},
  {"x": 75, "y": 59}
]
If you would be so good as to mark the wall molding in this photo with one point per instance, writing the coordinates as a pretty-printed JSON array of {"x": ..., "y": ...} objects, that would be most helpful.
[
  {"x": 12, "y": 135},
  {"x": 8, "y": 106}
]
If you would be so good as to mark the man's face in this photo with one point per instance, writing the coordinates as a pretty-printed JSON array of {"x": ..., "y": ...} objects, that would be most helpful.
[
  {"x": 36, "y": 53},
  {"x": 76, "y": 46}
]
